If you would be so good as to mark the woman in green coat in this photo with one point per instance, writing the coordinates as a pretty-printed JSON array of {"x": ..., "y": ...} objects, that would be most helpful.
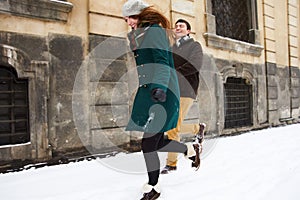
[{"x": 156, "y": 104}]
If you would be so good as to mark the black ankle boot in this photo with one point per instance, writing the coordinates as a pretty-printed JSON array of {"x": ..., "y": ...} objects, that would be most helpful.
[
  {"x": 152, "y": 195},
  {"x": 151, "y": 192},
  {"x": 167, "y": 169}
]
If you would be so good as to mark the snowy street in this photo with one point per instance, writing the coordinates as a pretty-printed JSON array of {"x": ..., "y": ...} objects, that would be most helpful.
[{"x": 258, "y": 165}]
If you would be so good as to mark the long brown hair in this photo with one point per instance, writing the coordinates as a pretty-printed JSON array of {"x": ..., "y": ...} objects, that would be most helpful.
[{"x": 152, "y": 16}]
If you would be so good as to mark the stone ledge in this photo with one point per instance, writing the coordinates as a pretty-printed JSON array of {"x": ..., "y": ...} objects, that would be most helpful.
[
  {"x": 49, "y": 10},
  {"x": 213, "y": 40}
]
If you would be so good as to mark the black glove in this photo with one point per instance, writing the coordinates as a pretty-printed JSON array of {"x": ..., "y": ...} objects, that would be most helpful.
[{"x": 158, "y": 95}]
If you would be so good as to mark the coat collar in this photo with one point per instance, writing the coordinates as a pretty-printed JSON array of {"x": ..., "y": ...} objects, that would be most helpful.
[
  {"x": 136, "y": 36},
  {"x": 183, "y": 40}
]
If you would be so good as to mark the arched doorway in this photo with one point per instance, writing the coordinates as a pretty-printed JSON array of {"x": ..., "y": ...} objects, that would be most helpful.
[
  {"x": 14, "y": 108},
  {"x": 238, "y": 103}
]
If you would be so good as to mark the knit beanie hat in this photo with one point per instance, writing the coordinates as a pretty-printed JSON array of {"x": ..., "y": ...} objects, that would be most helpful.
[{"x": 133, "y": 7}]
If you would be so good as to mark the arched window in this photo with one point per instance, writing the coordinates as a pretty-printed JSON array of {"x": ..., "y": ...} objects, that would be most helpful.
[{"x": 14, "y": 108}]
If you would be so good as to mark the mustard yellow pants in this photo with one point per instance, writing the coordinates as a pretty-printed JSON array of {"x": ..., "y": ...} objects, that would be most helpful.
[{"x": 173, "y": 134}]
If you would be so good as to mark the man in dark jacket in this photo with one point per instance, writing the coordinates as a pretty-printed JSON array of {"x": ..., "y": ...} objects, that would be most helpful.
[{"x": 187, "y": 55}]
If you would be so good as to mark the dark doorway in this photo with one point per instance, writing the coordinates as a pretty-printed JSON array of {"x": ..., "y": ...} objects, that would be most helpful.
[{"x": 14, "y": 108}]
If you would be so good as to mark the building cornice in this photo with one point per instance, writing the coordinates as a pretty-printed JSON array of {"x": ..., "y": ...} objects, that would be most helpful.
[{"x": 48, "y": 10}]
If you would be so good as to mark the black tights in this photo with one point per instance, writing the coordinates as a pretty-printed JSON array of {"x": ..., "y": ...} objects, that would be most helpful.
[{"x": 153, "y": 143}]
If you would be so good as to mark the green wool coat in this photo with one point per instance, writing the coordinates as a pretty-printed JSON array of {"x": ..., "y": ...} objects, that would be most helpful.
[{"x": 155, "y": 69}]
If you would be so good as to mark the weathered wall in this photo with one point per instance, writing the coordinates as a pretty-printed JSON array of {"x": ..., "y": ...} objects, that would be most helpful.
[
  {"x": 54, "y": 49},
  {"x": 282, "y": 56},
  {"x": 82, "y": 80},
  {"x": 59, "y": 57}
]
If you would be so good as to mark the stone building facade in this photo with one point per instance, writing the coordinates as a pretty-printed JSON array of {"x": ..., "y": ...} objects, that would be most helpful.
[{"x": 67, "y": 76}]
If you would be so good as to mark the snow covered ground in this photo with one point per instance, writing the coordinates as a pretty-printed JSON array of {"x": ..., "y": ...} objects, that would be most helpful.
[{"x": 258, "y": 165}]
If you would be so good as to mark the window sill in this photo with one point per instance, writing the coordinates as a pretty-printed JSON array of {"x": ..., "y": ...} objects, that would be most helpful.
[
  {"x": 224, "y": 43},
  {"x": 49, "y": 10}
]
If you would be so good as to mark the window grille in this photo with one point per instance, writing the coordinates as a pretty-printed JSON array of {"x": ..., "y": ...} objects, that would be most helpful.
[
  {"x": 233, "y": 18},
  {"x": 14, "y": 108},
  {"x": 238, "y": 103}
]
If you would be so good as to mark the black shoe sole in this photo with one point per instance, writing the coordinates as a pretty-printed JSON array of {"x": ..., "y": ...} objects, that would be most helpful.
[{"x": 152, "y": 198}]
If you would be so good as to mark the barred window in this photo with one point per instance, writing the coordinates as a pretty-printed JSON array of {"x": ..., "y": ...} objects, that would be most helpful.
[
  {"x": 14, "y": 108},
  {"x": 235, "y": 18},
  {"x": 238, "y": 103}
]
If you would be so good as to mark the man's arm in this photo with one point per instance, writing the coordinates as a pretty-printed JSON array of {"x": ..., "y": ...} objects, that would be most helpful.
[{"x": 193, "y": 62}]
